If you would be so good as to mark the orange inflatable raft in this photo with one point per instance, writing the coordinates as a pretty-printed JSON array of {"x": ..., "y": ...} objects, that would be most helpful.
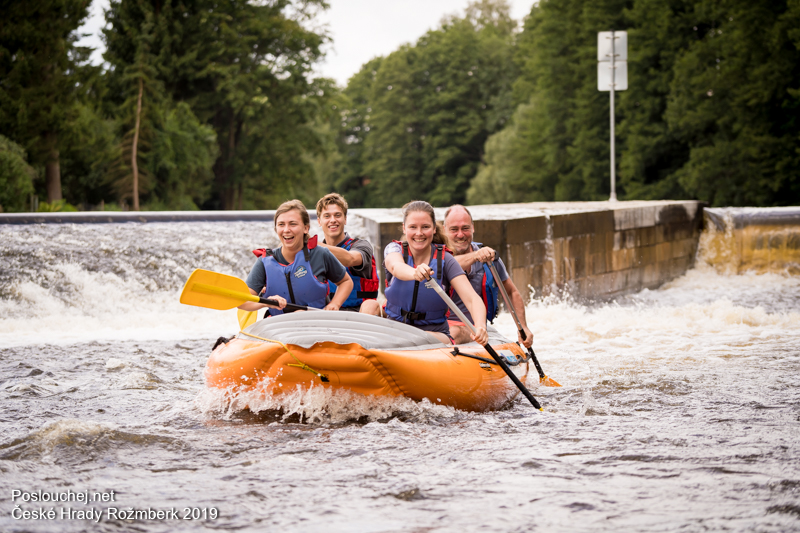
[{"x": 367, "y": 355}]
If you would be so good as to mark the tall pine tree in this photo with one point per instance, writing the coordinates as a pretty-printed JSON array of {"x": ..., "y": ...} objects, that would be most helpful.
[{"x": 37, "y": 69}]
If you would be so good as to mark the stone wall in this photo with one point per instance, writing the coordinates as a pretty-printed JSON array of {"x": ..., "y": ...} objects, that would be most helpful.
[
  {"x": 589, "y": 249},
  {"x": 603, "y": 253}
]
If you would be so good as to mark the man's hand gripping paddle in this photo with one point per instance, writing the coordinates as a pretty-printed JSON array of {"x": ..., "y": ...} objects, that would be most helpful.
[{"x": 543, "y": 379}]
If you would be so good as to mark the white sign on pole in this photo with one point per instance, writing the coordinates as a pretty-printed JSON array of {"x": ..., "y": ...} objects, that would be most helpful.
[
  {"x": 612, "y": 75},
  {"x": 612, "y": 60},
  {"x": 620, "y": 45},
  {"x": 605, "y": 78}
]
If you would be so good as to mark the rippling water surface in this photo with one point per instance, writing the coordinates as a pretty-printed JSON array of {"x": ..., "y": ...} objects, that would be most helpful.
[{"x": 679, "y": 410}]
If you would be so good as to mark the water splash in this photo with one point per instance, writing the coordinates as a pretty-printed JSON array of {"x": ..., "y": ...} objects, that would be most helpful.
[
  {"x": 315, "y": 405},
  {"x": 119, "y": 281}
]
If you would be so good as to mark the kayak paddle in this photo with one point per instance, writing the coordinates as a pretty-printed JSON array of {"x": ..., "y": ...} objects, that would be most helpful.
[
  {"x": 246, "y": 318},
  {"x": 453, "y": 307},
  {"x": 543, "y": 379},
  {"x": 213, "y": 290}
]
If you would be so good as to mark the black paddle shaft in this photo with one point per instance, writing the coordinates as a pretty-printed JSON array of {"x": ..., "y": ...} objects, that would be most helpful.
[
  {"x": 536, "y": 364},
  {"x": 513, "y": 377},
  {"x": 533, "y": 356},
  {"x": 510, "y": 306},
  {"x": 289, "y": 307}
]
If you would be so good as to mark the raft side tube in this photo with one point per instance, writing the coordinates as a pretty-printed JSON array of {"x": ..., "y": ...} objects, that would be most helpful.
[{"x": 345, "y": 327}]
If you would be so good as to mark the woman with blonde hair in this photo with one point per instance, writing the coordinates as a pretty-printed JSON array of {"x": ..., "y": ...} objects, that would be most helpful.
[
  {"x": 422, "y": 255},
  {"x": 298, "y": 270}
]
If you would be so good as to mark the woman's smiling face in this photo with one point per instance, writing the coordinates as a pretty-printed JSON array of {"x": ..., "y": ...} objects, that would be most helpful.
[
  {"x": 418, "y": 229},
  {"x": 291, "y": 230}
]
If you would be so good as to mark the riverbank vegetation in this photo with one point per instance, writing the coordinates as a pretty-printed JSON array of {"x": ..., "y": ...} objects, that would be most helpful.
[{"x": 213, "y": 104}]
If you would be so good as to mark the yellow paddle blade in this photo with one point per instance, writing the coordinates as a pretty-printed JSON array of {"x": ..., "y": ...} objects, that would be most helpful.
[
  {"x": 549, "y": 382},
  {"x": 246, "y": 318},
  {"x": 215, "y": 291}
]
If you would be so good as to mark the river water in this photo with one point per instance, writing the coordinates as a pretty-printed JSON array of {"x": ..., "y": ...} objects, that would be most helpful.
[{"x": 679, "y": 410}]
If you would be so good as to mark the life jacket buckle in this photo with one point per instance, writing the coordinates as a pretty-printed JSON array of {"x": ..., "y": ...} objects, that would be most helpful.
[{"x": 410, "y": 315}]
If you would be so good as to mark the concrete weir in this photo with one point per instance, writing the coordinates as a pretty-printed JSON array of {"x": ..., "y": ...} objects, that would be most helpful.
[
  {"x": 588, "y": 249},
  {"x": 740, "y": 239}
]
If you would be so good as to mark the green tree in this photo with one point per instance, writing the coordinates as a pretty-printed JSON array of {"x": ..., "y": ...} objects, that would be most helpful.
[
  {"x": 16, "y": 177},
  {"x": 183, "y": 153},
  {"x": 165, "y": 153},
  {"x": 659, "y": 32},
  {"x": 140, "y": 114},
  {"x": 420, "y": 116},
  {"x": 244, "y": 69},
  {"x": 500, "y": 177},
  {"x": 710, "y": 113},
  {"x": 734, "y": 98},
  {"x": 352, "y": 125},
  {"x": 37, "y": 69},
  {"x": 559, "y": 148},
  {"x": 90, "y": 146}
]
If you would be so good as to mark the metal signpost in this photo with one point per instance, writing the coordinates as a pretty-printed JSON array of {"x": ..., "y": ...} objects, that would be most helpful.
[{"x": 612, "y": 75}]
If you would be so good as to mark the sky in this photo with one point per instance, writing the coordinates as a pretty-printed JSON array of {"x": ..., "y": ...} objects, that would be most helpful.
[{"x": 360, "y": 29}]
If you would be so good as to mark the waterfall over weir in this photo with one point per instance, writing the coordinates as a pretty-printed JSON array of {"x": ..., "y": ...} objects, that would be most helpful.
[
  {"x": 679, "y": 408},
  {"x": 752, "y": 239}
]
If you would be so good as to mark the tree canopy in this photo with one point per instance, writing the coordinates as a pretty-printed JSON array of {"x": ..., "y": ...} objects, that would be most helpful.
[
  {"x": 419, "y": 117},
  {"x": 710, "y": 113},
  {"x": 213, "y": 104}
]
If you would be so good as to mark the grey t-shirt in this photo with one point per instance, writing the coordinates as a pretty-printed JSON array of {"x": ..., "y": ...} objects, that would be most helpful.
[
  {"x": 475, "y": 276},
  {"x": 364, "y": 270},
  {"x": 323, "y": 265}
]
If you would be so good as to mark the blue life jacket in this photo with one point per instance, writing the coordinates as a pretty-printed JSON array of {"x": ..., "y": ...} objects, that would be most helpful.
[
  {"x": 294, "y": 282},
  {"x": 405, "y": 298},
  {"x": 363, "y": 288},
  {"x": 489, "y": 291}
]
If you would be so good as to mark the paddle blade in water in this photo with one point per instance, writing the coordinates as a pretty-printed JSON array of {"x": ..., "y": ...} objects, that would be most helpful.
[
  {"x": 548, "y": 382},
  {"x": 215, "y": 291},
  {"x": 246, "y": 318}
]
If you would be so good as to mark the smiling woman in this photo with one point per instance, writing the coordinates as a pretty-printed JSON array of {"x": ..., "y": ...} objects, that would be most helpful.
[
  {"x": 421, "y": 257},
  {"x": 298, "y": 271}
]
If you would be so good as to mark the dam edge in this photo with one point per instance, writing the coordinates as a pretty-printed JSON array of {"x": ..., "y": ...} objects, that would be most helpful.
[{"x": 590, "y": 250}]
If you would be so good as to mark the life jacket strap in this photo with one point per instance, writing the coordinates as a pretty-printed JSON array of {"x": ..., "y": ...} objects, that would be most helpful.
[
  {"x": 410, "y": 315},
  {"x": 366, "y": 294},
  {"x": 439, "y": 257}
]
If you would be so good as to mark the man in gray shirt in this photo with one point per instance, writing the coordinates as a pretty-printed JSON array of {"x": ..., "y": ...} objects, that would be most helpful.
[
  {"x": 471, "y": 256},
  {"x": 355, "y": 254}
]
